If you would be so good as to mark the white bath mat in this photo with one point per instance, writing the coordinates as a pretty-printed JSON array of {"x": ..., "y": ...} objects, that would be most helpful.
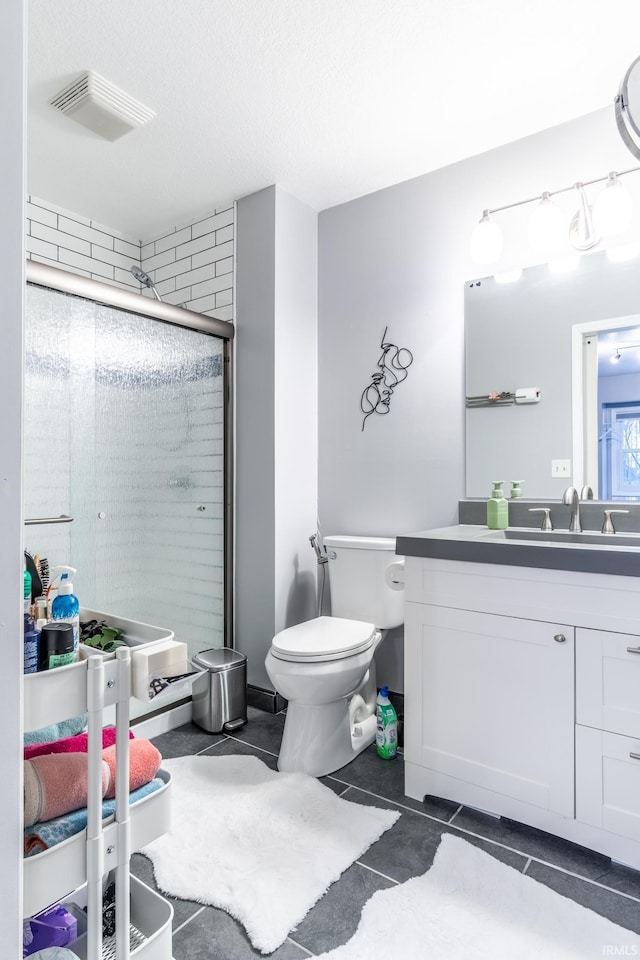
[
  {"x": 470, "y": 906},
  {"x": 264, "y": 846}
]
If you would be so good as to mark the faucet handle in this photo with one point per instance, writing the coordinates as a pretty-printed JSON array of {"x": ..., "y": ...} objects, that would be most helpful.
[
  {"x": 607, "y": 526},
  {"x": 546, "y": 520}
]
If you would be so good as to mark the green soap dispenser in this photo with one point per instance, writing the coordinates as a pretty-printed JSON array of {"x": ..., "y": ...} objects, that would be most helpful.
[
  {"x": 497, "y": 508},
  {"x": 516, "y": 492}
]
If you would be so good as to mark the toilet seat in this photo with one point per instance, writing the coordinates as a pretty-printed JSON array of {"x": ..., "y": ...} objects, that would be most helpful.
[{"x": 322, "y": 639}]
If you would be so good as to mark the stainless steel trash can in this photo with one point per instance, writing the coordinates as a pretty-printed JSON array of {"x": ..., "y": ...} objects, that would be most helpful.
[{"x": 220, "y": 696}]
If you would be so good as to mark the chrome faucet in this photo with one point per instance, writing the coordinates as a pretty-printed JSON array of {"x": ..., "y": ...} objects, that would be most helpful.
[{"x": 571, "y": 498}]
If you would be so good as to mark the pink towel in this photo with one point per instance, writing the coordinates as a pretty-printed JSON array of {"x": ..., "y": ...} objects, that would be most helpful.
[
  {"x": 56, "y": 784},
  {"x": 77, "y": 744}
]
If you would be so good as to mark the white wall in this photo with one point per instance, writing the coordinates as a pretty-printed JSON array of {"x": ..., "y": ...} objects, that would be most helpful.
[
  {"x": 399, "y": 258},
  {"x": 276, "y": 421},
  {"x": 12, "y": 154}
]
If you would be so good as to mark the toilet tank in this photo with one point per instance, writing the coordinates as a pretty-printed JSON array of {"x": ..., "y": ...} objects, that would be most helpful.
[{"x": 362, "y": 586}]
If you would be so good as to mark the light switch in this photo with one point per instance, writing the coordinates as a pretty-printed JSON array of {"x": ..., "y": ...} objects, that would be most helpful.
[{"x": 561, "y": 468}]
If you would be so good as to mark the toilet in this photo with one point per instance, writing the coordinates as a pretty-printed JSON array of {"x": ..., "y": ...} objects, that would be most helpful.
[{"x": 324, "y": 667}]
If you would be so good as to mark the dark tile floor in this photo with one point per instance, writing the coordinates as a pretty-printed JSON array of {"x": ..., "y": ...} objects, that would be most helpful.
[{"x": 404, "y": 851}]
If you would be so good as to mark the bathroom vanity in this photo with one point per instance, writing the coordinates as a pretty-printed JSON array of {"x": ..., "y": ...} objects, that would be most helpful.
[{"x": 522, "y": 679}]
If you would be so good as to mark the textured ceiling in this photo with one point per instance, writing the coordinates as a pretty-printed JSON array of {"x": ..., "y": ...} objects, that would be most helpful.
[{"x": 331, "y": 99}]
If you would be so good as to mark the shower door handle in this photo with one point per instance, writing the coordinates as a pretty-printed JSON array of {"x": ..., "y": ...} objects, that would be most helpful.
[{"x": 63, "y": 518}]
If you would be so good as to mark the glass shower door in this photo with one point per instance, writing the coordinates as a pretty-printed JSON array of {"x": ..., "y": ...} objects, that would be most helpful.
[{"x": 125, "y": 432}]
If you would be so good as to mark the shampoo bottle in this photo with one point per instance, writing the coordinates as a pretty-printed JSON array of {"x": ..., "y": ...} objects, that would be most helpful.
[
  {"x": 386, "y": 726},
  {"x": 66, "y": 607},
  {"x": 497, "y": 508}
]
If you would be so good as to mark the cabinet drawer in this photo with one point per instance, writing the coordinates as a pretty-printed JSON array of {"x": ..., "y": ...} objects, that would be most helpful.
[
  {"x": 608, "y": 781},
  {"x": 608, "y": 681}
]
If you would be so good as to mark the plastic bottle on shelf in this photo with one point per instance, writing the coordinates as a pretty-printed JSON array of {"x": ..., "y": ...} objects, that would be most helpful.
[
  {"x": 497, "y": 508},
  {"x": 31, "y": 645},
  {"x": 27, "y": 591},
  {"x": 66, "y": 606},
  {"x": 386, "y": 726}
]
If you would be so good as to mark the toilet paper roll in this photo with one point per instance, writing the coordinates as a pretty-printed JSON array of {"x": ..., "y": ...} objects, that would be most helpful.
[{"x": 394, "y": 575}]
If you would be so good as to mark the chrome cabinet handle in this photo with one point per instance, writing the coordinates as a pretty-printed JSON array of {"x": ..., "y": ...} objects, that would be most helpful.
[
  {"x": 634, "y": 756},
  {"x": 560, "y": 638},
  {"x": 633, "y": 649}
]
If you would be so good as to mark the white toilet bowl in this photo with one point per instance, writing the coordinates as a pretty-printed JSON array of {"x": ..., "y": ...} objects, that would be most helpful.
[{"x": 324, "y": 668}]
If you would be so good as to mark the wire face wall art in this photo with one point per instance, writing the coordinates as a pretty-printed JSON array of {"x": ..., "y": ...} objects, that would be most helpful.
[{"x": 392, "y": 369}]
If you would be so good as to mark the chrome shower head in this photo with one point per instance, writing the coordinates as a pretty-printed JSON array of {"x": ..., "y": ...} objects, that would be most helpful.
[{"x": 146, "y": 280}]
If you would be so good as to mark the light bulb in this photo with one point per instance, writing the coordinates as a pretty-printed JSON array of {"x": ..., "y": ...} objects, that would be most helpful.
[
  {"x": 486, "y": 240},
  {"x": 509, "y": 276},
  {"x": 546, "y": 225},
  {"x": 626, "y": 252},
  {"x": 615, "y": 357},
  {"x": 612, "y": 208}
]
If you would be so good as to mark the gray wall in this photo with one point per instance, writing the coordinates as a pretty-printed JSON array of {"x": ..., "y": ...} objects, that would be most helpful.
[
  {"x": 276, "y": 421},
  {"x": 399, "y": 258},
  {"x": 12, "y": 283}
]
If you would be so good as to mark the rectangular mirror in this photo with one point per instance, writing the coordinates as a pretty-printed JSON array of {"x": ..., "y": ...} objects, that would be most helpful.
[{"x": 555, "y": 331}]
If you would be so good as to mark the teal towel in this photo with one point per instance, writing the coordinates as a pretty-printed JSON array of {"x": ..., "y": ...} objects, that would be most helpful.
[{"x": 56, "y": 731}]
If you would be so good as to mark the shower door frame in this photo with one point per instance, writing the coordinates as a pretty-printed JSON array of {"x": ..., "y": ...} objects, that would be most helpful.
[{"x": 42, "y": 275}]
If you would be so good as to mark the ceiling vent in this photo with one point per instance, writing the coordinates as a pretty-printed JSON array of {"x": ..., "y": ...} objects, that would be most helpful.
[{"x": 98, "y": 104}]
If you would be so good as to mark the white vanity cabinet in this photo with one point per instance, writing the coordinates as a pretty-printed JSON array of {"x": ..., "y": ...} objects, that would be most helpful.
[
  {"x": 522, "y": 697},
  {"x": 495, "y": 706}
]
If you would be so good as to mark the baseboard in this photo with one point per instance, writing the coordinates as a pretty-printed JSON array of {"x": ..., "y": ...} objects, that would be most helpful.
[
  {"x": 163, "y": 721},
  {"x": 266, "y": 700}
]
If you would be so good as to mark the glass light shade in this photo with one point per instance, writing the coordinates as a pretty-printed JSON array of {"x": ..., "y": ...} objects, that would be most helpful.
[
  {"x": 612, "y": 208},
  {"x": 627, "y": 252},
  {"x": 486, "y": 241},
  {"x": 509, "y": 276},
  {"x": 546, "y": 225},
  {"x": 564, "y": 265}
]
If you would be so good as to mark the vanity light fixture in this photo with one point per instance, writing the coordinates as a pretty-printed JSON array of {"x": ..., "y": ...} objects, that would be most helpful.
[
  {"x": 612, "y": 208},
  {"x": 611, "y": 214},
  {"x": 486, "y": 240},
  {"x": 546, "y": 225}
]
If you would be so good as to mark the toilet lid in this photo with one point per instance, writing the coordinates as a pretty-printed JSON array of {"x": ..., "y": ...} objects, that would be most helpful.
[{"x": 325, "y": 638}]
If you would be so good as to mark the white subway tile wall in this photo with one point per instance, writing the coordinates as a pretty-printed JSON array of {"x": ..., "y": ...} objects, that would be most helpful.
[
  {"x": 192, "y": 266},
  {"x": 70, "y": 242}
]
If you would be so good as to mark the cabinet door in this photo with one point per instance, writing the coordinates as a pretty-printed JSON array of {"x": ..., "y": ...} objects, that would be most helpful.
[
  {"x": 490, "y": 700},
  {"x": 608, "y": 681},
  {"x": 608, "y": 781}
]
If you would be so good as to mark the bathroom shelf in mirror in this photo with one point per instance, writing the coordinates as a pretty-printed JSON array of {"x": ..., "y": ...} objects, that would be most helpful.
[{"x": 74, "y": 869}]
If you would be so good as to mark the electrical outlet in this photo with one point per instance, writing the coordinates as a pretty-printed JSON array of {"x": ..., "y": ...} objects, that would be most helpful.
[{"x": 561, "y": 468}]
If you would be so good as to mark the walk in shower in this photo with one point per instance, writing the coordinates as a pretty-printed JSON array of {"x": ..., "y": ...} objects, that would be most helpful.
[{"x": 127, "y": 432}]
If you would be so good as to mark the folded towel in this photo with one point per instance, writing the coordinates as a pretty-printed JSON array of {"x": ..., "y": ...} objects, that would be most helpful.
[
  {"x": 77, "y": 744},
  {"x": 48, "y": 834},
  {"x": 66, "y": 728},
  {"x": 56, "y": 784}
]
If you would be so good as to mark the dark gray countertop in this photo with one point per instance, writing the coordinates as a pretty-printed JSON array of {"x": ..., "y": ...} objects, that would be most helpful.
[{"x": 477, "y": 544}]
